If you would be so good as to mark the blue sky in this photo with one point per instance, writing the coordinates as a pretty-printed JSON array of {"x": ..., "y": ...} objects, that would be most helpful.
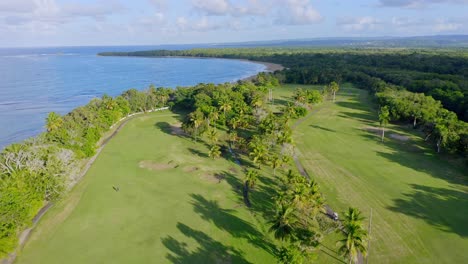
[{"x": 133, "y": 22}]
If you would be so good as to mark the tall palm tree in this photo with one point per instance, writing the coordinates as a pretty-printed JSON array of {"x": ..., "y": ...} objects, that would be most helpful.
[
  {"x": 213, "y": 115},
  {"x": 354, "y": 242},
  {"x": 355, "y": 235},
  {"x": 276, "y": 162},
  {"x": 215, "y": 152},
  {"x": 258, "y": 154},
  {"x": 197, "y": 120},
  {"x": 251, "y": 178},
  {"x": 334, "y": 88},
  {"x": 213, "y": 135},
  {"x": 53, "y": 122},
  {"x": 283, "y": 223},
  {"x": 225, "y": 107},
  {"x": 384, "y": 118}
]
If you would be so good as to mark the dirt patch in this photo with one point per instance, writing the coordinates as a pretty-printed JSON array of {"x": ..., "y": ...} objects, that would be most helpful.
[
  {"x": 155, "y": 166},
  {"x": 399, "y": 137},
  {"x": 378, "y": 131},
  {"x": 213, "y": 177},
  {"x": 176, "y": 129},
  {"x": 191, "y": 169},
  {"x": 233, "y": 170}
]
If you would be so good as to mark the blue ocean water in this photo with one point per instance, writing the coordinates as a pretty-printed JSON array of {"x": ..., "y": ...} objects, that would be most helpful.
[{"x": 36, "y": 81}]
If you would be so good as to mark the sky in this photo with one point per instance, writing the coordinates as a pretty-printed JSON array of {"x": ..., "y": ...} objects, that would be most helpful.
[{"x": 152, "y": 22}]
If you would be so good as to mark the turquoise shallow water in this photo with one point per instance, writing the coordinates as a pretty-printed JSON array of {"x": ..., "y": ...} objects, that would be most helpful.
[{"x": 34, "y": 82}]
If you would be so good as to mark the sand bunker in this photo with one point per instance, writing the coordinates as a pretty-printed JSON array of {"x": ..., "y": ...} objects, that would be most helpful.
[
  {"x": 378, "y": 131},
  {"x": 155, "y": 166},
  {"x": 399, "y": 137},
  {"x": 191, "y": 169},
  {"x": 176, "y": 129}
]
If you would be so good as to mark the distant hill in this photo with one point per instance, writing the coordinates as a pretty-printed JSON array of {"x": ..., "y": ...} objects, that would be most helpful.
[{"x": 438, "y": 41}]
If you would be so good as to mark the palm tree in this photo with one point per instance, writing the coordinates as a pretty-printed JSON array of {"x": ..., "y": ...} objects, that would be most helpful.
[
  {"x": 276, "y": 162},
  {"x": 53, "y": 122},
  {"x": 384, "y": 118},
  {"x": 354, "y": 242},
  {"x": 353, "y": 216},
  {"x": 251, "y": 178},
  {"x": 232, "y": 136},
  {"x": 213, "y": 135},
  {"x": 283, "y": 223},
  {"x": 334, "y": 88},
  {"x": 225, "y": 107},
  {"x": 234, "y": 123},
  {"x": 196, "y": 118},
  {"x": 258, "y": 154},
  {"x": 213, "y": 115},
  {"x": 355, "y": 235},
  {"x": 215, "y": 152}
]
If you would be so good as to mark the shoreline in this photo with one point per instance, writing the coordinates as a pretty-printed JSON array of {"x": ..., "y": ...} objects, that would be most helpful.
[{"x": 270, "y": 67}]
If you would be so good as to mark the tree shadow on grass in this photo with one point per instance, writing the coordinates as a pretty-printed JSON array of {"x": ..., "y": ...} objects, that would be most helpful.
[
  {"x": 443, "y": 208},
  {"x": 323, "y": 128},
  {"x": 225, "y": 220},
  {"x": 171, "y": 129},
  {"x": 363, "y": 117},
  {"x": 263, "y": 197},
  {"x": 208, "y": 250},
  {"x": 198, "y": 152}
]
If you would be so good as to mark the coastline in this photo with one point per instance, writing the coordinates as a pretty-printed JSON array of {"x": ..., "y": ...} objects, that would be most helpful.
[{"x": 270, "y": 67}]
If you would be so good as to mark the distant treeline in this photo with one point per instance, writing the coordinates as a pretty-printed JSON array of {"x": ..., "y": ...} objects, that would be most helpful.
[{"x": 441, "y": 74}]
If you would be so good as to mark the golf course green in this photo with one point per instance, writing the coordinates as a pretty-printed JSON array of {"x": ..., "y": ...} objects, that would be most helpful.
[{"x": 154, "y": 195}]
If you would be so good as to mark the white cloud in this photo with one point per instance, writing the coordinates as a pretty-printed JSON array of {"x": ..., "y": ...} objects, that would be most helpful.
[
  {"x": 202, "y": 24},
  {"x": 359, "y": 23},
  {"x": 418, "y": 3},
  {"x": 443, "y": 25},
  {"x": 17, "y": 6},
  {"x": 213, "y": 7},
  {"x": 298, "y": 12},
  {"x": 159, "y": 4}
]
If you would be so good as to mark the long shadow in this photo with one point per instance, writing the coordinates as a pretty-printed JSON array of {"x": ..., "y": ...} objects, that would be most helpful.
[
  {"x": 323, "y": 128},
  {"x": 198, "y": 152},
  {"x": 262, "y": 197},
  {"x": 170, "y": 129},
  {"x": 443, "y": 208},
  {"x": 355, "y": 104},
  {"x": 363, "y": 117},
  {"x": 412, "y": 154},
  {"x": 208, "y": 250},
  {"x": 225, "y": 220}
]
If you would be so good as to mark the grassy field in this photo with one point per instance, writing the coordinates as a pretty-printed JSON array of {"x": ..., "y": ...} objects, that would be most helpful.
[
  {"x": 419, "y": 201},
  {"x": 175, "y": 205},
  {"x": 170, "y": 207}
]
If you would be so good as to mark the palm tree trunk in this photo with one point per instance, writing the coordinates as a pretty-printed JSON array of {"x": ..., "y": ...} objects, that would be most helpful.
[
  {"x": 414, "y": 122},
  {"x": 383, "y": 133},
  {"x": 334, "y": 93}
]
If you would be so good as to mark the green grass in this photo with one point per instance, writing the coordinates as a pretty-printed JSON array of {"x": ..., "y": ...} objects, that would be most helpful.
[
  {"x": 419, "y": 201},
  {"x": 171, "y": 215},
  {"x": 181, "y": 215}
]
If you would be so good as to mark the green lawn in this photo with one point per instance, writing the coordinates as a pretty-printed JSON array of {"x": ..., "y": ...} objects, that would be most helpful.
[
  {"x": 419, "y": 201},
  {"x": 176, "y": 212}
]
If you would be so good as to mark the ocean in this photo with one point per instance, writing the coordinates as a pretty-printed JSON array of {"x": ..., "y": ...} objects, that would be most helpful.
[{"x": 36, "y": 81}]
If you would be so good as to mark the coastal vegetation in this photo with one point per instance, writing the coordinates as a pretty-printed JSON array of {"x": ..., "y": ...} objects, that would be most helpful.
[{"x": 257, "y": 174}]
